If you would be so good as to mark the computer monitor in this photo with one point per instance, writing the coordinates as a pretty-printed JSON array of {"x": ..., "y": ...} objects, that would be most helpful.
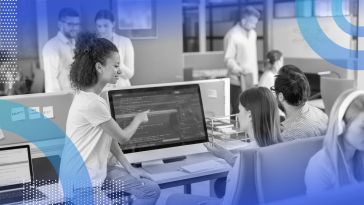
[
  {"x": 15, "y": 167},
  {"x": 314, "y": 80},
  {"x": 176, "y": 120}
]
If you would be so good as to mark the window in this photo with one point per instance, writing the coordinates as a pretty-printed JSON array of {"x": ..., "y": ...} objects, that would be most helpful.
[
  {"x": 206, "y": 33},
  {"x": 191, "y": 25},
  {"x": 322, "y": 8}
]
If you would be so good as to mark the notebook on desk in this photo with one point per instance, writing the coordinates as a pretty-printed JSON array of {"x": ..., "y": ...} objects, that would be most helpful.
[{"x": 16, "y": 176}]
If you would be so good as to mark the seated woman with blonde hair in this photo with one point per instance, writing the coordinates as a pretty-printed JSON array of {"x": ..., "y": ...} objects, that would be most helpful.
[{"x": 341, "y": 160}]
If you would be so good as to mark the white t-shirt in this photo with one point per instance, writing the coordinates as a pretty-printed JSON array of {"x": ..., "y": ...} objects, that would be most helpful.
[
  {"x": 267, "y": 79},
  {"x": 87, "y": 112}
]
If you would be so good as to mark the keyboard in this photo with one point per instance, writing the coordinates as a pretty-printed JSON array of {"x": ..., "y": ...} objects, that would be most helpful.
[
  {"x": 204, "y": 166},
  {"x": 20, "y": 196}
]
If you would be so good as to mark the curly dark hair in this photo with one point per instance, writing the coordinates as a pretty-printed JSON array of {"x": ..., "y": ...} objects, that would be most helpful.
[
  {"x": 293, "y": 84},
  {"x": 89, "y": 50}
]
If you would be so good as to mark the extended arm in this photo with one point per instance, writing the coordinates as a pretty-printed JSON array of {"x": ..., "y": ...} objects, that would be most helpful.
[
  {"x": 123, "y": 135},
  {"x": 221, "y": 152}
]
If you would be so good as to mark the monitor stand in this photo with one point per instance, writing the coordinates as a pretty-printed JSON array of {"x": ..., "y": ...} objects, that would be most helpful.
[{"x": 159, "y": 162}]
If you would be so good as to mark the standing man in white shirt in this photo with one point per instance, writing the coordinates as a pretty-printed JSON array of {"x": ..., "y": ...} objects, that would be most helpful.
[
  {"x": 241, "y": 54},
  {"x": 58, "y": 52},
  {"x": 105, "y": 25}
]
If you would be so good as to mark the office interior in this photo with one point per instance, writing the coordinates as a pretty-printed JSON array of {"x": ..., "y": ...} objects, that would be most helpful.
[{"x": 184, "y": 47}]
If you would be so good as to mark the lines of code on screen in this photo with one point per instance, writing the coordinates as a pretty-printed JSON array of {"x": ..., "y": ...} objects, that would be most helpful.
[{"x": 175, "y": 117}]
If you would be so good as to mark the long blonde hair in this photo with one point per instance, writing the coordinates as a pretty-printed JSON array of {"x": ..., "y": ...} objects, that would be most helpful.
[{"x": 347, "y": 106}]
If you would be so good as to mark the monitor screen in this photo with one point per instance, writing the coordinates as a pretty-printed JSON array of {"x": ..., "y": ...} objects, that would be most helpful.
[
  {"x": 15, "y": 167},
  {"x": 176, "y": 116},
  {"x": 314, "y": 81}
]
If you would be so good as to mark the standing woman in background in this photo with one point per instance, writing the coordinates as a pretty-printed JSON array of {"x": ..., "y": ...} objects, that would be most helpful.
[
  {"x": 275, "y": 62},
  {"x": 341, "y": 160},
  {"x": 105, "y": 24}
]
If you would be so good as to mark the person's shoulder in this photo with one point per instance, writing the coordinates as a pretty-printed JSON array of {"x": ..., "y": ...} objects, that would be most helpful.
[
  {"x": 122, "y": 38},
  {"x": 268, "y": 74},
  {"x": 233, "y": 31},
  {"x": 52, "y": 44},
  {"x": 87, "y": 99},
  {"x": 319, "y": 165},
  {"x": 319, "y": 173},
  {"x": 319, "y": 159},
  {"x": 267, "y": 79},
  {"x": 317, "y": 114},
  {"x": 317, "y": 110}
]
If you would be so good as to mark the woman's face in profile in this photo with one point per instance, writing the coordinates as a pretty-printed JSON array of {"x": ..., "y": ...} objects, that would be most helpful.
[
  {"x": 355, "y": 132},
  {"x": 244, "y": 118}
]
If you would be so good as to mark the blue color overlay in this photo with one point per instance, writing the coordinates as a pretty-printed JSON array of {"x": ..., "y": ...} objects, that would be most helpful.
[
  {"x": 324, "y": 46},
  {"x": 33, "y": 130}
]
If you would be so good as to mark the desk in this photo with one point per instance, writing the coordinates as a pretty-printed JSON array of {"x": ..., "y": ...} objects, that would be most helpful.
[
  {"x": 170, "y": 175},
  {"x": 167, "y": 175}
]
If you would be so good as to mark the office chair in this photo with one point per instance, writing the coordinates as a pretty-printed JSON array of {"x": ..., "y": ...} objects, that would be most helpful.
[
  {"x": 331, "y": 88},
  {"x": 280, "y": 168}
]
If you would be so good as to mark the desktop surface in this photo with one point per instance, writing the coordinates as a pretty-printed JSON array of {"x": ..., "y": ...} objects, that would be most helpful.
[{"x": 174, "y": 171}]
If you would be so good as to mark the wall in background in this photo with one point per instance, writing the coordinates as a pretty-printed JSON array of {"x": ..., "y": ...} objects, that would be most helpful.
[{"x": 160, "y": 60}]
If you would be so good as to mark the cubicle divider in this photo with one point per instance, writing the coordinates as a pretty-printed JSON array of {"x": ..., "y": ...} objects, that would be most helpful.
[
  {"x": 52, "y": 106},
  {"x": 38, "y": 108},
  {"x": 280, "y": 169}
]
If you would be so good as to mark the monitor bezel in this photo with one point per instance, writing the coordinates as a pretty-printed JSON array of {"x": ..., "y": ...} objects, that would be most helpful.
[
  {"x": 20, "y": 185},
  {"x": 110, "y": 93}
]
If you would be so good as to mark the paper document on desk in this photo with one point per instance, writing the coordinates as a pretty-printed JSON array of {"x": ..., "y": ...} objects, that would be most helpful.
[{"x": 203, "y": 166}]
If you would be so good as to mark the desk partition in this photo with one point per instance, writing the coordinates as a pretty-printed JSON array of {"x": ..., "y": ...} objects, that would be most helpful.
[{"x": 53, "y": 106}]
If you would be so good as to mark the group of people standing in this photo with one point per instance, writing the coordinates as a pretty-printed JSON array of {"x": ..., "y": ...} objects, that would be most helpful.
[{"x": 58, "y": 52}]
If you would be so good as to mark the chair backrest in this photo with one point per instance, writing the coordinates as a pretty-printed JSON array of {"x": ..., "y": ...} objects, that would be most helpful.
[
  {"x": 331, "y": 88},
  {"x": 245, "y": 192},
  {"x": 280, "y": 168}
]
